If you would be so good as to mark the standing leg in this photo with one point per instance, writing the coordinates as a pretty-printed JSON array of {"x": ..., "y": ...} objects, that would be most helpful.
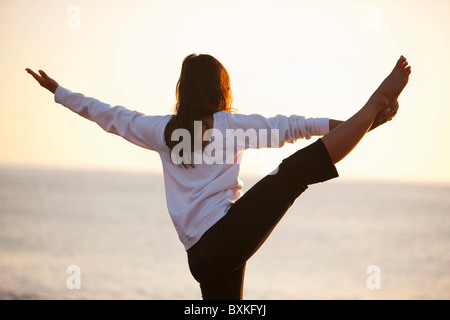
[{"x": 218, "y": 258}]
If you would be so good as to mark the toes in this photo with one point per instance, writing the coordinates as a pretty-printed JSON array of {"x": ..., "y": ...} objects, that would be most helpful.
[
  {"x": 408, "y": 70},
  {"x": 400, "y": 61}
]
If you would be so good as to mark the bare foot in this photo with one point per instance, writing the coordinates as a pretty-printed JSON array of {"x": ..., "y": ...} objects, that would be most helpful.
[
  {"x": 395, "y": 82},
  {"x": 386, "y": 96}
]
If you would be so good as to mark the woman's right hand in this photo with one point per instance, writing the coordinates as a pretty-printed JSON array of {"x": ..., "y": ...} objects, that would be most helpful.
[
  {"x": 385, "y": 116},
  {"x": 44, "y": 80}
]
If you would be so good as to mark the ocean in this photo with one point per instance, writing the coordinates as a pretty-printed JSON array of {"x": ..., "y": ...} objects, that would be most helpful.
[{"x": 84, "y": 234}]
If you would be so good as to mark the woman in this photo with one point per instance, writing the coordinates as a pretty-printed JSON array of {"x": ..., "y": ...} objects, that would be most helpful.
[{"x": 200, "y": 148}]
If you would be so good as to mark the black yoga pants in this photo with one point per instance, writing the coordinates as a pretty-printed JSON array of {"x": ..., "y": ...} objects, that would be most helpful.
[{"x": 217, "y": 261}]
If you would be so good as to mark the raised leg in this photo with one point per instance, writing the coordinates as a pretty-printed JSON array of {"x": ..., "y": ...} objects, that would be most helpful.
[{"x": 342, "y": 139}]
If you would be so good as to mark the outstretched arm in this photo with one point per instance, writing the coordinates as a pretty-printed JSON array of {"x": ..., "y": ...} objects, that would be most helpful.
[
  {"x": 133, "y": 126},
  {"x": 382, "y": 117}
]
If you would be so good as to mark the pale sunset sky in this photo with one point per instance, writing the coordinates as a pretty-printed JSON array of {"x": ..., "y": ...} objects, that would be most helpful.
[{"x": 311, "y": 58}]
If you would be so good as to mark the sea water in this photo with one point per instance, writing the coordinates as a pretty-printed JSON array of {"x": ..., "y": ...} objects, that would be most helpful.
[{"x": 84, "y": 234}]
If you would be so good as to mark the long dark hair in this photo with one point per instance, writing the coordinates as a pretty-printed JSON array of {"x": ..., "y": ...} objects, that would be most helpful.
[{"x": 202, "y": 89}]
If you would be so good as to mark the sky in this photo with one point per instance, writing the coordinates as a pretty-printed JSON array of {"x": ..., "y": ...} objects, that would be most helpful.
[{"x": 311, "y": 58}]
